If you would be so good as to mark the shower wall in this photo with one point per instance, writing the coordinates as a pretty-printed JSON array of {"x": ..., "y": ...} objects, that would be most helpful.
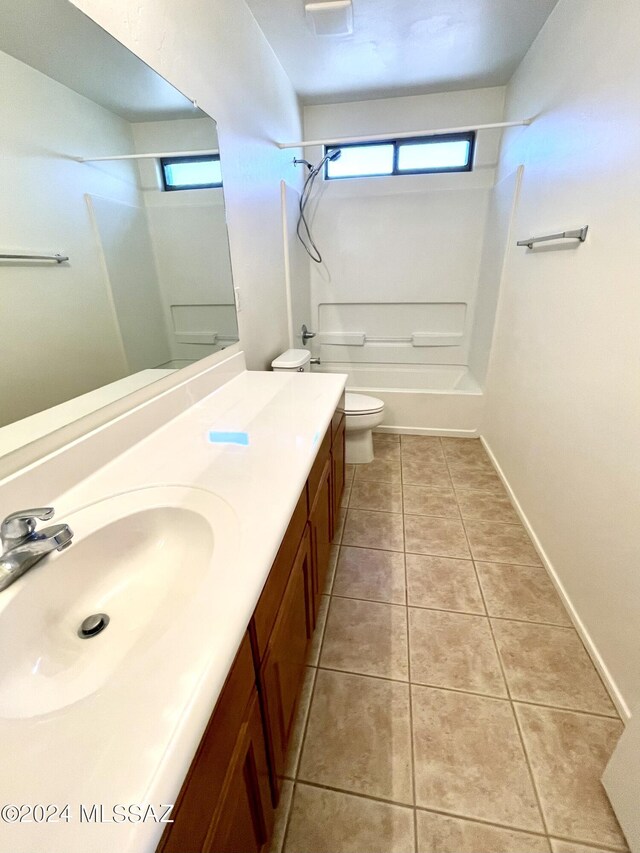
[
  {"x": 404, "y": 254},
  {"x": 296, "y": 264},
  {"x": 189, "y": 237}
]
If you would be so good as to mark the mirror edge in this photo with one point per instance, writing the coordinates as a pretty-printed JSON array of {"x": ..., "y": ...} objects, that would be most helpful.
[{"x": 35, "y": 451}]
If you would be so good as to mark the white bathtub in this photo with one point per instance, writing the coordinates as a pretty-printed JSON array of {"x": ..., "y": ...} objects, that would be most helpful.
[{"x": 434, "y": 399}]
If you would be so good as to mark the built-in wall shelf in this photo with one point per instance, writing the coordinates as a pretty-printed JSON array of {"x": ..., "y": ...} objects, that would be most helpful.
[
  {"x": 417, "y": 339},
  {"x": 392, "y": 332}
]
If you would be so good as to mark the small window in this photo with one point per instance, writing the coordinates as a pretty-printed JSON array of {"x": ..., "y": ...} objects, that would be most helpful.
[
  {"x": 423, "y": 155},
  {"x": 191, "y": 173}
]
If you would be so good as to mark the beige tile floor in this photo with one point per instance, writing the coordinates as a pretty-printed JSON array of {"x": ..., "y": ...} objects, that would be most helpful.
[{"x": 449, "y": 704}]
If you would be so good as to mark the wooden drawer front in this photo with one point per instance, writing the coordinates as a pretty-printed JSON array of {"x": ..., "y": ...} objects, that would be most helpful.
[
  {"x": 320, "y": 529},
  {"x": 318, "y": 466},
  {"x": 266, "y": 610},
  {"x": 244, "y": 817},
  {"x": 284, "y": 664},
  {"x": 338, "y": 472},
  {"x": 203, "y": 785}
]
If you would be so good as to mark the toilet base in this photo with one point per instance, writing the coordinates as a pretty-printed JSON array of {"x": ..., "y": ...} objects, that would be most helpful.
[{"x": 359, "y": 447}]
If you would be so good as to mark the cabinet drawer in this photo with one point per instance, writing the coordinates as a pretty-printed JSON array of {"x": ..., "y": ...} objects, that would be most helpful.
[{"x": 266, "y": 610}]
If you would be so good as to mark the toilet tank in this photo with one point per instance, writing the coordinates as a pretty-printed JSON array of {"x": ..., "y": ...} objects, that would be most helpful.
[{"x": 293, "y": 360}]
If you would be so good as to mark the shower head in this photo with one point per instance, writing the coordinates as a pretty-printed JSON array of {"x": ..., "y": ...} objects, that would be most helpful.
[{"x": 335, "y": 155}]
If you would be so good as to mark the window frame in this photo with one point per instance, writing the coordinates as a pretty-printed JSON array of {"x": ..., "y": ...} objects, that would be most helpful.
[
  {"x": 199, "y": 158},
  {"x": 465, "y": 136}
]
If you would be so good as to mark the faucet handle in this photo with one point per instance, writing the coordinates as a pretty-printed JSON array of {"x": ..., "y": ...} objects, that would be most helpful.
[{"x": 21, "y": 524}]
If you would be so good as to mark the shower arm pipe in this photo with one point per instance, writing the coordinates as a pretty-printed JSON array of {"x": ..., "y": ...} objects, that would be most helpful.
[
  {"x": 156, "y": 156},
  {"x": 409, "y": 134}
]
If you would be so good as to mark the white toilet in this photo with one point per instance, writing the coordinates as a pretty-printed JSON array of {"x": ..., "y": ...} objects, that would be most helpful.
[{"x": 362, "y": 413}]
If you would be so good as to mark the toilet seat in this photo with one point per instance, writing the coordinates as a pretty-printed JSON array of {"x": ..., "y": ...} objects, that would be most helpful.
[{"x": 361, "y": 404}]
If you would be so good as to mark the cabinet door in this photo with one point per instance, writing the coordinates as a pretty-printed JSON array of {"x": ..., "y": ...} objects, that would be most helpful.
[
  {"x": 203, "y": 789},
  {"x": 266, "y": 612},
  {"x": 245, "y": 813},
  {"x": 320, "y": 528},
  {"x": 284, "y": 663},
  {"x": 338, "y": 472}
]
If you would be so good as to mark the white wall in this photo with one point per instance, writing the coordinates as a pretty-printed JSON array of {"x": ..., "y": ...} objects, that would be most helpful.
[
  {"x": 413, "y": 241},
  {"x": 216, "y": 53},
  {"x": 503, "y": 201},
  {"x": 564, "y": 389},
  {"x": 43, "y": 209}
]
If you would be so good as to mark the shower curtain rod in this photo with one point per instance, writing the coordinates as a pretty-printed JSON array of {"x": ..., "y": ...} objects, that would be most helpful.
[
  {"x": 409, "y": 134},
  {"x": 156, "y": 156}
]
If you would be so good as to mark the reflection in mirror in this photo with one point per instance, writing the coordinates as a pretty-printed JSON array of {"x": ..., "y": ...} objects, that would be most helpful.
[{"x": 105, "y": 163}]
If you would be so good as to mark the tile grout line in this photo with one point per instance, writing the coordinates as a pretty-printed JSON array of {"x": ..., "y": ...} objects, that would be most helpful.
[
  {"x": 315, "y": 681},
  {"x": 499, "y": 698},
  {"x": 432, "y": 810},
  {"x": 307, "y": 716},
  {"x": 513, "y": 712},
  {"x": 506, "y": 684},
  {"x": 571, "y": 628},
  {"x": 406, "y": 602},
  {"x": 288, "y": 818},
  {"x": 519, "y": 620}
]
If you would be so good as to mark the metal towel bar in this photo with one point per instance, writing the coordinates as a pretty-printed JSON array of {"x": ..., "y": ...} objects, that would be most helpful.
[
  {"x": 578, "y": 234},
  {"x": 58, "y": 258}
]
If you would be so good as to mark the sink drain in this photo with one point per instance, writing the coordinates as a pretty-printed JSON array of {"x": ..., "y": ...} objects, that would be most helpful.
[{"x": 93, "y": 625}]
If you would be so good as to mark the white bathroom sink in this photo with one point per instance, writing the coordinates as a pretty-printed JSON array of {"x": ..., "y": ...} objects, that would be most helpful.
[{"x": 141, "y": 558}]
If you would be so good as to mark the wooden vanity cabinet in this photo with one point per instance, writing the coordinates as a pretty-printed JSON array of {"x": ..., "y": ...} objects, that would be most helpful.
[{"x": 227, "y": 800}]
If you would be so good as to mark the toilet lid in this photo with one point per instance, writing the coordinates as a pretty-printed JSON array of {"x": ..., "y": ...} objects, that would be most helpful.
[{"x": 361, "y": 404}]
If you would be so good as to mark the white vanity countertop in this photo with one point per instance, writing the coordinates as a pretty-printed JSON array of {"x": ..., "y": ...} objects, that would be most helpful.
[{"x": 87, "y": 753}]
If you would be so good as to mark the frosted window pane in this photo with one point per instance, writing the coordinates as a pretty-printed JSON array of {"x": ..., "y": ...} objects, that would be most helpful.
[
  {"x": 361, "y": 160},
  {"x": 433, "y": 155}
]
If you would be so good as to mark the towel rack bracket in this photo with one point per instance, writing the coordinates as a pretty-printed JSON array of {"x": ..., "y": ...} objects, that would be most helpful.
[{"x": 577, "y": 234}]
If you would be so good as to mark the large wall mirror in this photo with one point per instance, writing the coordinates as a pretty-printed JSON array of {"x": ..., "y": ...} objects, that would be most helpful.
[{"x": 107, "y": 166}]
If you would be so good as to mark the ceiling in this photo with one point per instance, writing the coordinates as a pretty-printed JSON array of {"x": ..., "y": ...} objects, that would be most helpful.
[
  {"x": 402, "y": 47},
  {"x": 57, "y": 39}
]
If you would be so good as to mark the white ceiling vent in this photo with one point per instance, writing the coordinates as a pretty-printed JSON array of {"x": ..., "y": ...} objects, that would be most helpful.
[{"x": 330, "y": 18}]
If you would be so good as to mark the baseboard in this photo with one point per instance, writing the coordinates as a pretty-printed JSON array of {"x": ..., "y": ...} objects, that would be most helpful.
[
  {"x": 450, "y": 433},
  {"x": 605, "y": 675}
]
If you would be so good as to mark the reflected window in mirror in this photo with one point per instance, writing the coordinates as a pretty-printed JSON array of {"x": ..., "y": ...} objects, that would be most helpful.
[{"x": 191, "y": 173}]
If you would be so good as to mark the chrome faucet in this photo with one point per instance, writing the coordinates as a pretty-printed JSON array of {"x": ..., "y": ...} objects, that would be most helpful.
[{"x": 23, "y": 546}]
